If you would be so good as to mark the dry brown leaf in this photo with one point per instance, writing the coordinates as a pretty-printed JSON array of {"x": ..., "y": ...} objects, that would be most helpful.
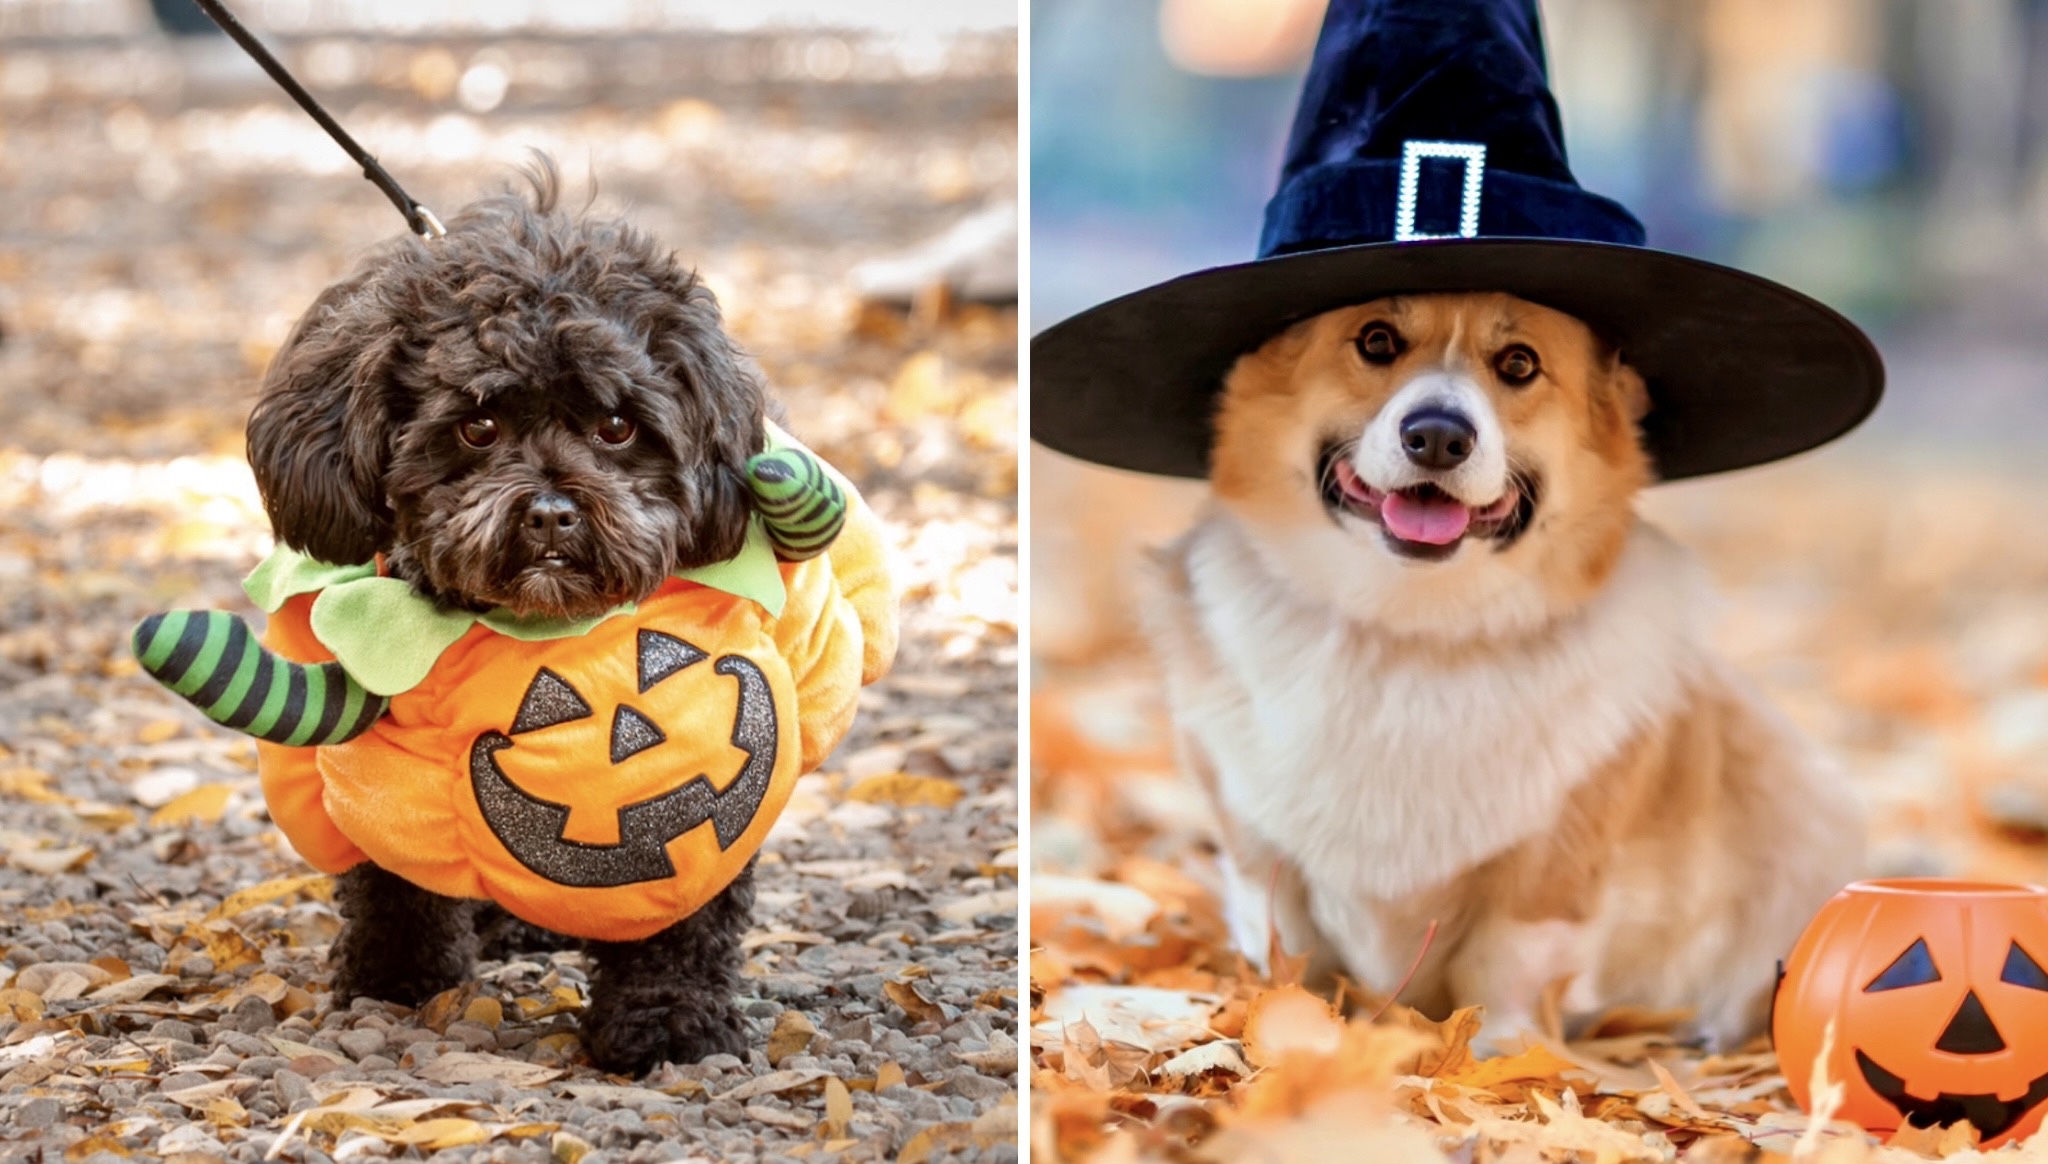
[
  {"x": 1341, "y": 1127},
  {"x": 558, "y": 1048},
  {"x": 313, "y": 886},
  {"x": 435, "y": 1134},
  {"x": 888, "y": 1075},
  {"x": 568, "y": 1147},
  {"x": 1730, "y": 1149},
  {"x": 203, "y": 805},
  {"x": 906, "y": 790},
  {"x": 1365, "y": 1061},
  {"x": 157, "y": 731},
  {"x": 1686, "y": 1103},
  {"x": 1936, "y": 1143},
  {"x": 966, "y": 909},
  {"x": 779, "y": 1117},
  {"x": 1221, "y": 1055},
  {"x": 21, "y": 1005},
  {"x": 615, "y": 1093},
  {"x": 792, "y": 1036},
  {"x": 1000, "y": 1058},
  {"x": 1288, "y": 1019},
  {"x": 1565, "y": 1129},
  {"x": 1538, "y": 1064},
  {"x": 772, "y": 1082},
  {"x": 53, "y": 980},
  {"x": 30, "y": 784},
  {"x": 560, "y": 1000},
  {"x": 914, "y": 1003},
  {"x": 49, "y": 860},
  {"x": 1153, "y": 1018},
  {"x": 838, "y": 1109},
  {"x": 1455, "y": 1035},
  {"x": 224, "y": 944},
  {"x": 292, "y": 1050},
  {"x": 101, "y": 815},
  {"x": 264, "y": 985},
  {"x": 754, "y": 942},
  {"x": 472, "y": 1067},
  {"x": 945, "y": 1138},
  {"x": 96, "y": 1143},
  {"x": 485, "y": 1012},
  {"x": 447, "y": 1006},
  {"x": 133, "y": 989},
  {"x": 1124, "y": 911},
  {"x": 1827, "y": 1095}
]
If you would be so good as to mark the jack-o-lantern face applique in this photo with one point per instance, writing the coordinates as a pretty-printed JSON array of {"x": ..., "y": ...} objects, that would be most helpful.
[
  {"x": 1939, "y": 1001},
  {"x": 537, "y": 832}
]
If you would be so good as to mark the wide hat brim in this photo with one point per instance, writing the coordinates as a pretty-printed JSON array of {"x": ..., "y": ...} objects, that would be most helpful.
[{"x": 1741, "y": 370}]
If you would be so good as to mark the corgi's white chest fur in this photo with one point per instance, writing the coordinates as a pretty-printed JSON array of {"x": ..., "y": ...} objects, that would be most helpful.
[{"x": 1385, "y": 769}]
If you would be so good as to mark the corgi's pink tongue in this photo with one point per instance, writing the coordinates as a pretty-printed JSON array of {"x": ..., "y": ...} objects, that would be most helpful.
[{"x": 1434, "y": 521}]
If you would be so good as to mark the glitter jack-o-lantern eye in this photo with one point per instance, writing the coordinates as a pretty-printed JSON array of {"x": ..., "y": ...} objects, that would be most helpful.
[{"x": 1939, "y": 1011}]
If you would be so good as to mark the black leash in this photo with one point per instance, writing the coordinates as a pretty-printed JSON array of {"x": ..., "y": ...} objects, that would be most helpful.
[{"x": 418, "y": 217}]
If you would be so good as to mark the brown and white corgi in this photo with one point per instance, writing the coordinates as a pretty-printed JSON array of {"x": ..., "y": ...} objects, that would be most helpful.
[{"x": 1430, "y": 665}]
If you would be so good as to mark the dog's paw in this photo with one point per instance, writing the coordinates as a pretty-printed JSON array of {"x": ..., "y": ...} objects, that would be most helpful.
[{"x": 634, "y": 1039}]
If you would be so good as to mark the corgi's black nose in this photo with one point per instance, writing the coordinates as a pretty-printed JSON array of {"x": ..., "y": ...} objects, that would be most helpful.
[{"x": 1437, "y": 438}]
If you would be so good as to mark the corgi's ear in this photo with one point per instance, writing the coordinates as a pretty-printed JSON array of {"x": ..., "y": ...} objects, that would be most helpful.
[{"x": 1629, "y": 389}]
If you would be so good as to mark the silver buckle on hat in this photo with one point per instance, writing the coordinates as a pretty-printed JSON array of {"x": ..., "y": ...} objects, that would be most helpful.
[{"x": 1473, "y": 154}]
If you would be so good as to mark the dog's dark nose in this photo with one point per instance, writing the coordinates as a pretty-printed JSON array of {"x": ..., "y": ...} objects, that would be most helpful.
[
  {"x": 1437, "y": 439},
  {"x": 550, "y": 516}
]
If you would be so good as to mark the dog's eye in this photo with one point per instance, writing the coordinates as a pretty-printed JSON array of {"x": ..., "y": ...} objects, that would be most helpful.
[
  {"x": 616, "y": 430},
  {"x": 478, "y": 432},
  {"x": 1379, "y": 344},
  {"x": 1516, "y": 365}
]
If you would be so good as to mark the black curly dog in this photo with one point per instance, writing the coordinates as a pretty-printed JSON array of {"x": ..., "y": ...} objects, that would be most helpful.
[{"x": 540, "y": 412}]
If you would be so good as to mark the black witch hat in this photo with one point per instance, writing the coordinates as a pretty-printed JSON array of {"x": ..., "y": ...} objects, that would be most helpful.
[{"x": 1427, "y": 155}]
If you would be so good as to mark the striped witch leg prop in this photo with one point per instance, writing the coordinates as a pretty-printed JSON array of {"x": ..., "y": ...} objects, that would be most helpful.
[
  {"x": 800, "y": 503},
  {"x": 211, "y": 658}
]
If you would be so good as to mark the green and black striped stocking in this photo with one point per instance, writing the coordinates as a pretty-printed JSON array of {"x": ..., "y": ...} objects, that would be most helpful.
[
  {"x": 212, "y": 659},
  {"x": 799, "y": 502}
]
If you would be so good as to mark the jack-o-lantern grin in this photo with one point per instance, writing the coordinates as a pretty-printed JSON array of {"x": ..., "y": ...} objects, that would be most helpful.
[
  {"x": 1991, "y": 1115},
  {"x": 1970, "y": 1031}
]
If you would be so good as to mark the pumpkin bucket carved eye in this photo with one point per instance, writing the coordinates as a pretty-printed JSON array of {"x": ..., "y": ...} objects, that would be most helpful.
[
  {"x": 1915, "y": 967},
  {"x": 2022, "y": 970}
]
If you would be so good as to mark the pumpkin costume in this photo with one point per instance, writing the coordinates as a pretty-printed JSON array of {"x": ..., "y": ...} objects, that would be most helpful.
[{"x": 602, "y": 778}]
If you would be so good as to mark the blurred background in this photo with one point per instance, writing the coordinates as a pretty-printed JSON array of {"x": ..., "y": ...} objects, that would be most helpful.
[
  {"x": 844, "y": 176},
  {"x": 1887, "y": 156}
]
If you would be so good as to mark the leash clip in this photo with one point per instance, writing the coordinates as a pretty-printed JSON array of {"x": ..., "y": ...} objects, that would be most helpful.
[{"x": 426, "y": 225}]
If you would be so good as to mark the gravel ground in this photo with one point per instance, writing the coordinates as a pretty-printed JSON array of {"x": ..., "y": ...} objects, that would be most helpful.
[{"x": 163, "y": 990}]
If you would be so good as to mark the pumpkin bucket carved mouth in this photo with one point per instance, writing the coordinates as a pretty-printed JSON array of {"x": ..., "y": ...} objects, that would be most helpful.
[{"x": 1992, "y": 1116}]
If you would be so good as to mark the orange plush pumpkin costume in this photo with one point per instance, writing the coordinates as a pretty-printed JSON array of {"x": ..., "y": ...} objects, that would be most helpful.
[{"x": 603, "y": 779}]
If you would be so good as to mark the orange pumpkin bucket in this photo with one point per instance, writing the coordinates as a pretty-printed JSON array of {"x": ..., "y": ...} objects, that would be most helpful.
[{"x": 1938, "y": 992}]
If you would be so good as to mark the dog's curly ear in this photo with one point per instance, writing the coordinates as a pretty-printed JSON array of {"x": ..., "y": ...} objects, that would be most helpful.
[
  {"x": 725, "y": 403},
  {"x": 320, "y": 435}
]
